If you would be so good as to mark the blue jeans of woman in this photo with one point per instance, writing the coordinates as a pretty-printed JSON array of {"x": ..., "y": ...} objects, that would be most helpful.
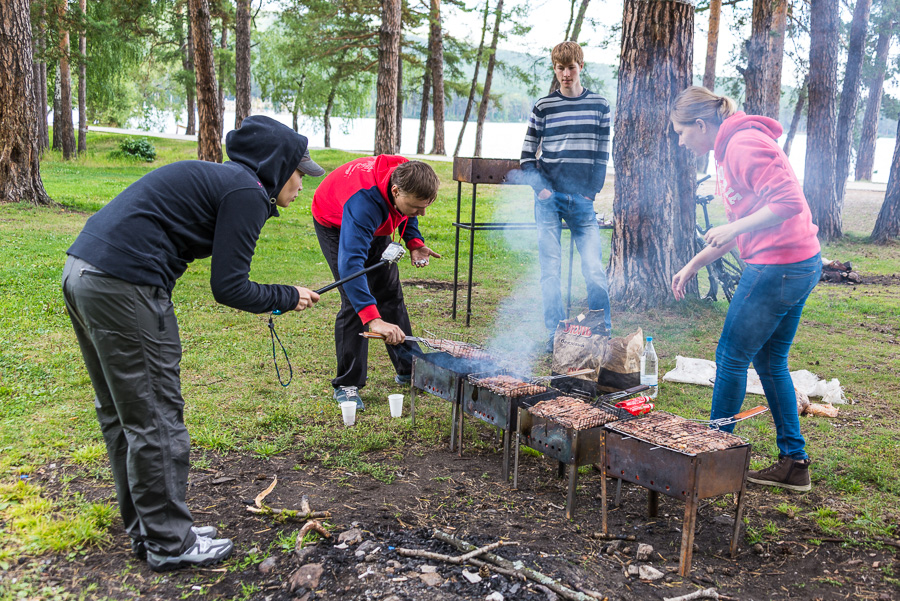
[
  {"x": 760, "y": 327},
  {"x": 578, "y": 212}
]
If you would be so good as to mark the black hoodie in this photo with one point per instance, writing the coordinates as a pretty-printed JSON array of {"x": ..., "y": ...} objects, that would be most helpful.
[{"x": 190, "y": 210}]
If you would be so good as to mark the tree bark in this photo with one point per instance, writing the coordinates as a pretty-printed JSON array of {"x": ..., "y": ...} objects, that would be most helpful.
[
  {"x": 41, "y": 82},
  {"x": 63, "y": 120},
  {"x": 865, "y": 157},
  {"x": 821, "y": 141},
  {"x": 489, "y": 74},
  {"x": 326, "y": 117},
  {"x": 850, "y": 96},
  {"x": 474, "y": 87},
  {"x": 765, "y": 52},
  {"x": 82, "y": 82},
  {"x": 426, "y": 104},
  {"x": 579, "y": 21},
  {"x": 209, "y": 146},
  {"x": 190, "y": 86},
  {"x": 54, "y": 141},
  {"x": 709, "y": 73},
  {"x": 20, "y": 154},
  {"x": 296, "y": 110},
  {"x": 399, "y": 96},
  {"x": 654, "y": 185},
  {"x": 386, "y": 84},
  {"x": 887, "y": 225},
  {"x": 798, "y": 112},
  {"x": 242, "y": 62},
  {"x": 221, "y": 83},
  {"x": 437, "y": 78}
]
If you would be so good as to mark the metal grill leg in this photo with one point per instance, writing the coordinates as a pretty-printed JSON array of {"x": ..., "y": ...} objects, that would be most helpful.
[
  {"x": 570, "y": 498},
  {"x": 618, "y": 500},
  {"x": 505, "y": 469},
  {"x": 412, "y": 405},
  {"x": 516, "y": 462}
]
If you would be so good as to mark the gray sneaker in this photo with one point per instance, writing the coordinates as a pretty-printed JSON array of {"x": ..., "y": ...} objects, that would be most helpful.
[
  {"x": 203, "y": 552},
  {"x": 138, "y": 548},
  {"x": 349, "y": 393}
]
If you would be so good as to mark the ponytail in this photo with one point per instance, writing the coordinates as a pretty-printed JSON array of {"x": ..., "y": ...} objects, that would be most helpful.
[{"x": 697, "y": 102}]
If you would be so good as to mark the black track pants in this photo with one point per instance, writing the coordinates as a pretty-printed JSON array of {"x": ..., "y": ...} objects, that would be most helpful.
[
  {"x": 384, "y": 283},
  {"x": 129, "y": 340}
]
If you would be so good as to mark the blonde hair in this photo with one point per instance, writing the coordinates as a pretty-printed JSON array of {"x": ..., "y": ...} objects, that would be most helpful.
[
  {"x": 697, "y": 102},
  {"x": 566, "y": 53}
]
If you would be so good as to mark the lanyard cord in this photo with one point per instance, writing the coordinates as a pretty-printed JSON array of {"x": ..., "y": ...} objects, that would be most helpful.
[{"x": 275, "y": 337}]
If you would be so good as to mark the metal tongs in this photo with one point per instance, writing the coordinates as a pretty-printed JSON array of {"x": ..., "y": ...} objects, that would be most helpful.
[
  {"x": 435, "y": 344},
  {"x": 718, "y": 424},
  {"x": 580, "y": 372}
]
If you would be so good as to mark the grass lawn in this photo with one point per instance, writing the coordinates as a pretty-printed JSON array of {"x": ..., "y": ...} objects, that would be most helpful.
[{"x": 234, "y": 403}]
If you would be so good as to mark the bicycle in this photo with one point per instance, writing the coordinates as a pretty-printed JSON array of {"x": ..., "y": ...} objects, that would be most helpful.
[{"x": 723, "y": 273}]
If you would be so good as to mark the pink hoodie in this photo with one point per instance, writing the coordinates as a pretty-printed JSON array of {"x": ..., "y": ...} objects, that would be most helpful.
[{"x": 753, "y": 172}]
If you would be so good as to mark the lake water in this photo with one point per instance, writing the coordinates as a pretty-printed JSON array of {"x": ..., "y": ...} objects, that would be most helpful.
[{"x": 500, "y": 140}]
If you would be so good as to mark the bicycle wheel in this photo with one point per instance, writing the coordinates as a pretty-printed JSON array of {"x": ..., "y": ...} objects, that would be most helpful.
[
  {"x": 728, "y": 272},
  {"x": 707, "y": 284}
]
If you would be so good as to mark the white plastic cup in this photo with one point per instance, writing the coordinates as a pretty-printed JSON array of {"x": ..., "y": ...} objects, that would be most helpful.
[
  {"x": 396, "y": 403},
  {"x": 348, "y": 410}
]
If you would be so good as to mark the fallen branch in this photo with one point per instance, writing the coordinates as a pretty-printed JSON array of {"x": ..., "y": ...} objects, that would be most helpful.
[
  {"x": 315, "y": 526},
  {"x": 887, "y": 541},
  {"x": 261, "y": 496},
  {"x": 516, "y": 568},
  {"x": 289, "y": 514},
  {"x": 461, "y": 559},
  {"x": 629, "y": 537},
  {"x": 707, "y": 593}
]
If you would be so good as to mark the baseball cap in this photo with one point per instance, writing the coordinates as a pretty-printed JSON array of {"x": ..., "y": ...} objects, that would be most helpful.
[{"x": 310, "y": 167}]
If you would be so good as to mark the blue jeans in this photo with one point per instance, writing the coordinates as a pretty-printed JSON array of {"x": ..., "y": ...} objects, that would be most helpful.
[
  {"x": 760, "y": 327},
  {"x": 578, "y": 212}
]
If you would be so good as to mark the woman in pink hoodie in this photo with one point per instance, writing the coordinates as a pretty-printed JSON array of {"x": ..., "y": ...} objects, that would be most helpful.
[{"x": 770, "y": 223}]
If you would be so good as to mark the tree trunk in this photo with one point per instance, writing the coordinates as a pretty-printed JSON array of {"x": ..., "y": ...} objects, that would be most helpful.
[
  {"x": 765, "y": 52},
  {"x": 41, "y": 83},
  {"x": 20, "y": 155},
  {"x": 821, "y": 141},
  {"x": 865, "y": 158},
  {"x": 489, "y": 74},
  {"x": 426, "y": 104},
  {"x": 221, "y": 87},
  {"x": 437, "y": 78},
  {"x": 887, "y": 226},
  {"x": 326, "y": 117},
  {"x": 82, "y": 83},
  {"x": 386, "y": 84},
  {"x": 571, "y": 20},
  {"x": 654, "y": 184},
  {"x": 709, "y": 73},
  {"x": 399, "y": 96},
  {"x": 209, "y": 146},
  {"x": 798, "y": 112},
  {"x": 850, "y": 96},
  {"x": 296, "y": 110},
  {"x": 63, "y": 120},
  {"x": 242, "y": 62},
  {"x": 190, "y": 86},
  {"x": 474, "y": 87},
  {"x": 54, "y": 143},
  {"x": 579, "y": 21}
]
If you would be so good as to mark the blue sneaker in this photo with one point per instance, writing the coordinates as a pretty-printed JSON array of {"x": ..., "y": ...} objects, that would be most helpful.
[
  {"x": 349, "y": 393},
  {"x": 403, "y": 380}
]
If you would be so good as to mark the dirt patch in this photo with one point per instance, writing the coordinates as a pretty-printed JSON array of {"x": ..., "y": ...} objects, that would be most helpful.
[
  {"x": 465, "y": 496},
  {"x": 436, "y": 284}
]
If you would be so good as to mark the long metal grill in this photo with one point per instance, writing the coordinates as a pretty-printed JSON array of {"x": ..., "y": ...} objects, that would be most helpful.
[
  {"x": 577, "y": 414},
  {"x": 507, "y": 385},
  {"x": 664, "y": 429}
]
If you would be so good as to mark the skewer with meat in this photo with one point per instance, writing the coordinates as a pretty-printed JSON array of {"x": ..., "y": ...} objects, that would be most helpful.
[{"x": 572, "y": 413}]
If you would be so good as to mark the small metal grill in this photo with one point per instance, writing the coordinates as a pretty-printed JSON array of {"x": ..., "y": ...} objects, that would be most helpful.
[
  {"x": 570, "y": 430},
  {"x": 679, "y": 458},
  {"x": 494, "y": 397}
]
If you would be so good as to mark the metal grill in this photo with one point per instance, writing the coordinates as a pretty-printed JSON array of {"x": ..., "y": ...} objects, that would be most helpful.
[
  {"x": 664, "y": 429},
  {"x": 574, "y": 413}
]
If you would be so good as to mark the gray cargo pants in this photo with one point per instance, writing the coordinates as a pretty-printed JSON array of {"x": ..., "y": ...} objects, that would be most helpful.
[{"x": 129, "y": 340}]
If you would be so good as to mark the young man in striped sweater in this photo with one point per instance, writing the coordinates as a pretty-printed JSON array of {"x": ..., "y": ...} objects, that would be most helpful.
[{"x": 571, "y": 127}]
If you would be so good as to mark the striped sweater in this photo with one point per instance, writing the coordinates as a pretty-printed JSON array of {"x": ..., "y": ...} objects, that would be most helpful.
[{"x": 573, "y": 135}]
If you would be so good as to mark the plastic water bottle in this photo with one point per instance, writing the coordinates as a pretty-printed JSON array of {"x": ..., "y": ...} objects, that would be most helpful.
[{"x": 650, "y": 369}]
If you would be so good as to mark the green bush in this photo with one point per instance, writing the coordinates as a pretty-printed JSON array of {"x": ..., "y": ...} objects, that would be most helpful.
[{"x": 139, "y": 148}]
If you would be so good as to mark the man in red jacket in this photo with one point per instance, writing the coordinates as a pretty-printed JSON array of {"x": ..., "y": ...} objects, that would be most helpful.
[{"x": 357, "y": 209}]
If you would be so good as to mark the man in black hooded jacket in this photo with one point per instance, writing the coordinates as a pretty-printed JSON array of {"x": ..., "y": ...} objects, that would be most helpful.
[{"x": 118, "y": 283}]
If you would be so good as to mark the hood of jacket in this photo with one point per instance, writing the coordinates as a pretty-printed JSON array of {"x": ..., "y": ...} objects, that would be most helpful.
[
  {"x": 741, "y": 121},
  {"x": 270, "y": 149}
]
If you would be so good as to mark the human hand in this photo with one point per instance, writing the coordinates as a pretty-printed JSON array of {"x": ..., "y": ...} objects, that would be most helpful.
[
  {"x": 544, "y": 194},
  {"x": 307, "y": 298},
  {"x": 392, "y": 333},
  {"x": 680, "y": 280},
  {"x": 721, "y": 235},
  {"x": 419, "y": 256}
]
